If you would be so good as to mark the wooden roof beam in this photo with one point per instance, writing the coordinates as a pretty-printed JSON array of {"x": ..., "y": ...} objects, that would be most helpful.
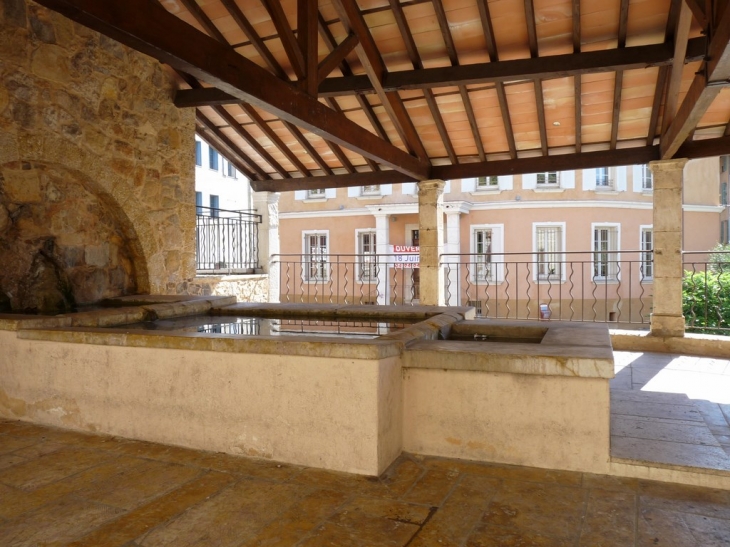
[
  {"x": 200, "y": 16},
  {"x": 577, "y": 84},
  {"x": 534, "y": 53},
  {"x": 336, "y": 56},
  {"x": 167, "y": 38},
  {"x": 681, "y": 37},
  {"x": 375, "y": 69},
  {"x": 545, "y": 68},
  {"x": 286, "y": 35},
  {"x": 619, "y": 79},
  {"x": 331, "y": 181},
  {"x": 714, "y": 75},
  {"x": 307, "y": 12}
]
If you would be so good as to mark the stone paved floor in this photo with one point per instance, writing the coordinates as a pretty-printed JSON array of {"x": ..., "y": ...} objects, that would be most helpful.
[
  {"x": 58, "y": 487},
  {"x": 663, "y": 398}
]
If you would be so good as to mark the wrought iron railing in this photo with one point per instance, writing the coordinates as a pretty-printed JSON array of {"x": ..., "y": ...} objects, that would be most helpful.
[
  {"x": 602, "y": 286},
  {"x": 226, "y": 241},
  {"x": 586, "y": 286},
  {"x": 706, "y": 292},
  {"x": 346, "y": 279}
]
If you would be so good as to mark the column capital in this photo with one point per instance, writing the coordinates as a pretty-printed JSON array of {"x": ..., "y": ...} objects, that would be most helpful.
[
  {"x": 667, "y": 165},
  {"x": 432, "y": 185}
]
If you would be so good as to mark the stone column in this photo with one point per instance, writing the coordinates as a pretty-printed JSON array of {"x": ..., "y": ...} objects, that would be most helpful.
[
  {"x": 666, "y": 317},
  {"x": 431, "y": 231},
  {"x": 267, "y": 205},
  {"x": 453, "y": 247},
  {"x": 382, "y": 241}
]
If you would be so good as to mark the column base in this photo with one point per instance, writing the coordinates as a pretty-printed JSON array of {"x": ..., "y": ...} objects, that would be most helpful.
[{"x": 667, "y": 325}]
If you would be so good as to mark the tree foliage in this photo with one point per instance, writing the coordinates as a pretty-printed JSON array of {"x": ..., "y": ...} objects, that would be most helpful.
[{"x": 706, "y": 299}]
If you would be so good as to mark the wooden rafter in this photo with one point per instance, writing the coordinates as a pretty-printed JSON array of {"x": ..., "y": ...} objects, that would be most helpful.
[
  {"x": 336, "y": 56},
  {"x": 698, "y": 10},
  {"x": 577, "y": 84},
  {"x": 338, "y": 152},
  {"x": 707, "y": 84},
  {"x": 205, "y": 21},
  {"x": 304, "y": 143},
  {"x": 374, "y": 66},
  {"x": 488, "y": 31},
  {"x": 286, "y": 35},
  {"x": 169, "y": 39},
  {"x": 329, "y": 41},
  {"x": 307, "y": 38},
  {"x": 222, "y": 143},
  {"x": 254, "y": 38},
  {"x": 274, "y": 138},
  {"x": 623, "y": 18},
  {"x": 330, "y": 181},
  {"x": 415, "y": 57},
  {"x": 681, "y": 37},
  {"x": 534, "y": 53}
]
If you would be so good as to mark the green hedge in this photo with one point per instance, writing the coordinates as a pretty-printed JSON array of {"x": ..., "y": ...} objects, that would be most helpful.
[{"x": 706, "y": 301}]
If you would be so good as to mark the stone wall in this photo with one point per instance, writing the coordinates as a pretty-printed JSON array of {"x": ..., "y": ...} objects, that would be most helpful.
[
  {"x": 246, "y": 288},
  {"x": 96, "y": 165}
]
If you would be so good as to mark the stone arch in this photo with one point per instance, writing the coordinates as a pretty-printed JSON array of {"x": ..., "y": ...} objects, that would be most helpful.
[{"x": 69, "y": 221}]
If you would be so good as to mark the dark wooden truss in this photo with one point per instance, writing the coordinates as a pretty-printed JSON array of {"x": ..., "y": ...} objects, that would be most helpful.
[{"x": 316, "y": 104}]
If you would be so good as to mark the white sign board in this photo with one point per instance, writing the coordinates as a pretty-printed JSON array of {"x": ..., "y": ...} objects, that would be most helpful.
[{"x": 404, "y": 256}]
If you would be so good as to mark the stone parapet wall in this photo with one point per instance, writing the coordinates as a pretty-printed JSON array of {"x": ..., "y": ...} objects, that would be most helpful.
[
  {"x": 246, "y": 288},
  {"x": 96, "y": 163}
]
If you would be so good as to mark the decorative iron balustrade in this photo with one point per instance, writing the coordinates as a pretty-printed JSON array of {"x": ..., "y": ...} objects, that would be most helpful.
[
  {"x": 226, "y": 241},
  {"x": 706, "y": 292},
  {"x": 346, "y": 279},
  {"x": 587, "y": 286},
  {"x": 603, "y": 286}
]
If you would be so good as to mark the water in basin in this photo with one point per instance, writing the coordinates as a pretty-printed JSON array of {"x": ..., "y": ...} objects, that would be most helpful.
[{"x": 268, "y": 326}]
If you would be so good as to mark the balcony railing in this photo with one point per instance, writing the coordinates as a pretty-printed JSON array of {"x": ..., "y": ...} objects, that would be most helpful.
[
  {"x": 226, "y": 241},
  {"x": 604, "y": 286},
  {"x": 586, "y": 286},
  {"x": 706, "y": 292}
]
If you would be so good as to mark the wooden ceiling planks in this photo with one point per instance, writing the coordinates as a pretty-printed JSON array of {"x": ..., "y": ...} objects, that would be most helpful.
[{"x": 460, "y": 123}]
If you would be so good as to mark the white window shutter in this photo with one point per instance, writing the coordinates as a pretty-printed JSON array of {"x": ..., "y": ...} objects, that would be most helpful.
[
  {"x": 468, "y": 185},
  {"x": 621, "y": 179},
  {"x": 529, "y": 181},
  {"x": 589, "y": 179},
  {"x": 408, "y": 188},
  {"x": 386, "y": 189},
  {"x": 353, "y": 191},
  {"x": 330, "y": 193},
  {"x": 636, "y": 175},
  {"x": 300, "y": 194},
  {"x": 447, "y": 187},
  {"x": 505, "y": 182},
  {"x": 567, "y": 179}
]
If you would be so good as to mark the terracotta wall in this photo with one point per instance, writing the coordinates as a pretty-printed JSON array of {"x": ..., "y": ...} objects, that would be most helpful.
[{"x": 96, "y": 166}]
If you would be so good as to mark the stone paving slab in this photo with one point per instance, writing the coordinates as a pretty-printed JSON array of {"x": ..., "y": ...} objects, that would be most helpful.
[
  {"x": 135, "y": 494},
  {"x": 658, "y": 429}
]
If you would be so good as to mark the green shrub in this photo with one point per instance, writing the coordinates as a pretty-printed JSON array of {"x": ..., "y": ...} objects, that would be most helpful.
[{"x": 706, "y": 299}]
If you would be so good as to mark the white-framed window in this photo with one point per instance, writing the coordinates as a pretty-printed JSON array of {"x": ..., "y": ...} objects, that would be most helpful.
[
  {"x": 487, "y": 182},
  {"x": 367, "y": 256},
  {"x": 370, "y": 190},
  {"x": 486, "y": 247},
  {"x": 213, "y": 158},
  {"x": 315, "y": 263},
  {"x": 230, "y": 170},
  {"x": 605, "y": 251},
  {"x": 549, "y": 245},
  {"x": 603, "y": 178},
  {"x": 647, "y": 181},
  {"x": 646, "y": 245},
  {"x": 547, "y": 179},
  {"x": 315, "y": 193}
]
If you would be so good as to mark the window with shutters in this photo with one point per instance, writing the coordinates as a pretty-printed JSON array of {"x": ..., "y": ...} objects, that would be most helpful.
[
  {"x": 315, "y": 263},
  {"x": 647, "y": 254},
  {"x": 549, "y": 245},
  {"x": 487, "y": 182},
  {"x": 370, "y": 190},
  {"x": 605, "y": 252},
  {"x": 483, "y": 264},
  {"x": 367, "y": 259},
  {"x": 647, "y": 180},
  {"x": 604, "y": 181},
  {"x": 547, "y": 179},
  {"x": 315, "y": 193}
]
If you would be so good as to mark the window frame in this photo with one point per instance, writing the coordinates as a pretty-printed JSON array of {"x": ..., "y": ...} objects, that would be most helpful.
[
  {"x": 495, "y": 273},
  {"x": 199, "y": 203},
  {"x": 604, "y": 174},
  {"x": 213, "y": 158},
  {"x": 546, "y": 183},
  {"x": 371, "y": 190},
  {"x": 646, "y": 255},
  {"x": 214, "y": 203},
  {"x": 198, "y": 153},
  {"x": 647, "y": 176},
  {"x": 307, "y": 262},
  {"x": 612, "y": 276},
  {"x": 372, "y": 276},
  {"x": 316, "y": 193},
  {"x": 558, "y": 254},
  {"x": 486, "y": 183}
]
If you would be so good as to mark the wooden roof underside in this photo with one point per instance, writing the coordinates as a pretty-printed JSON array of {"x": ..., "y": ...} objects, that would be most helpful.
[{"x": 331, "y": 93}]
